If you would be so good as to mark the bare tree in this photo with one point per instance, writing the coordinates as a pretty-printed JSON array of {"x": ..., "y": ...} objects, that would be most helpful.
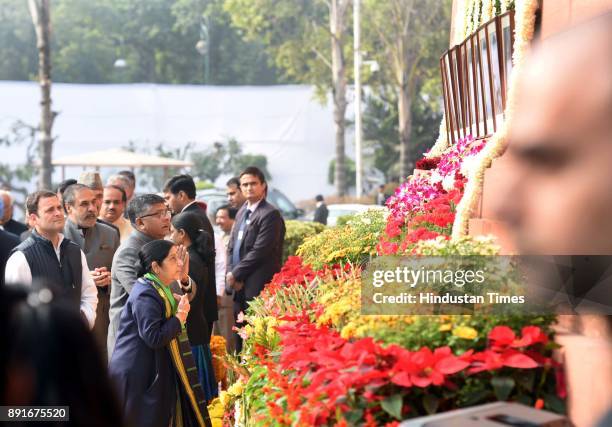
[
  {"x": 337, "y": 26},
  {"x": 403, "y": 34},
  {"x": 40, "y": 11}
]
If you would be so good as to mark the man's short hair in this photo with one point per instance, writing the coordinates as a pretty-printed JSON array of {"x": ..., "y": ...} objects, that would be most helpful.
[
  {"x": 139, "y": 205},
  {"x": 61, "y": 188},
  {"x": 255, "y": 171},
  {"x": 118, "y": 188},
  {"x": 125, "y": 181},
  {"x": 33, "y": 199},
  {"x": 129, "y": 175},
  {"x": 69, "y": 195},
  {"x": 231, "y": 212},
  {"x": 233, "y": 181},
  {"x": 319, "y": 198},
  {"x": 180, "y": 183}
]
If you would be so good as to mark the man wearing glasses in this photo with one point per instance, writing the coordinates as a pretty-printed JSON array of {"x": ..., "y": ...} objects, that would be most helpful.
[{"x": 150, "y": 219}]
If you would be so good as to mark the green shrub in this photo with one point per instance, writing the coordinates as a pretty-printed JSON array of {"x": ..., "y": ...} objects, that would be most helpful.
[
  {"x": 296, "y": 233},
  {"x": 354, "y": 242}
]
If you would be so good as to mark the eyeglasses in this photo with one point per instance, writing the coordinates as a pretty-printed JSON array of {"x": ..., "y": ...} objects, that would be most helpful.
[{"x": 160, "y": 214}]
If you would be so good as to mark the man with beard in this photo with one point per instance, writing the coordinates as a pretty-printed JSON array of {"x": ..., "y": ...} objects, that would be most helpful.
[{"x": 99, "y": 243}]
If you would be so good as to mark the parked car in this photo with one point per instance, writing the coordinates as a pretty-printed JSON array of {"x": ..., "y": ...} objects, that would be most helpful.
[
  {"x": 342, "y": 209},
  {"x": 215, "y": 198}
]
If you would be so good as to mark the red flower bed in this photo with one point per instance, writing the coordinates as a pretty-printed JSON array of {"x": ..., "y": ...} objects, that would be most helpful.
[{"x": 319, "y": 374}]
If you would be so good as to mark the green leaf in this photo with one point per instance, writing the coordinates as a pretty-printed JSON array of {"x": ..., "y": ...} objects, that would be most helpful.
[
  {"x": 554, "y": 404},
  {"x": 476, "y": 397},
  {"x": 430, "y": 403},
  {"x": 502, "y": 386},
  {"x": 526, "y": 380},
  {"x": 353, "y": 417},
  {"x": 392, "y": 405}
]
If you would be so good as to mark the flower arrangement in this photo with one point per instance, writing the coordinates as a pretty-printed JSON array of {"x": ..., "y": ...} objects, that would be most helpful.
[
  {"x": 354, "y": 242},
  {"x": 219, "y": 350},
  {"x": 427, "y": 163},
  {"x": 424, "y": 207},
  {"x": 295, "y": 234},
  {"x": 320, "y": 378}
]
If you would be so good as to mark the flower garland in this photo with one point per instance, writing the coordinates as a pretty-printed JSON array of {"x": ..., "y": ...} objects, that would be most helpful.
[
  {"x": 525, "y": 25},
  {"x": 441, "y": 143}
]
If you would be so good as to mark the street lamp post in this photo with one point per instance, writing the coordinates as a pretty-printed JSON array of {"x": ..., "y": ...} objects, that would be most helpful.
[
  {"x": 358, "y": 125},
  {"x": 203, "y": 46}
]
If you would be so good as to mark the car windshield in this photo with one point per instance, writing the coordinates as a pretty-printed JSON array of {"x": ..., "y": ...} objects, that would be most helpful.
[{"x": 282, "y": 203}]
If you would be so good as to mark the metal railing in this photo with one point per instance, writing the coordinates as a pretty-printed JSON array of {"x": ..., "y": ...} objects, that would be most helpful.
[{"x": 475, "y": 77}]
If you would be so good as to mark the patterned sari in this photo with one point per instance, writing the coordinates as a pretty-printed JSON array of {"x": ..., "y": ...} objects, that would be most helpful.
[{"x": 190, "y": 410}]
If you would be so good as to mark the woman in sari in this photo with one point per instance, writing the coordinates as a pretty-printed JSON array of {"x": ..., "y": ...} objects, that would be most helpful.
[
  {"x": 148, "y": 364},
  {"x": 188, "y": 230}
]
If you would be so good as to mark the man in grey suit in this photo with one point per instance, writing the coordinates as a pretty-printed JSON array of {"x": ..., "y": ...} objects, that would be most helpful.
[
  {"x": 99, "y": 243},
  {"x": 256, "y": 245},
  {"x": 150, "y": 218}
]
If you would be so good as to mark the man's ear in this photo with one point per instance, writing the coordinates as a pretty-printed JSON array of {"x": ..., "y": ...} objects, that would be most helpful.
[
  {"x": 139, "y": 223},
  {"x": 32, "y": 218}
]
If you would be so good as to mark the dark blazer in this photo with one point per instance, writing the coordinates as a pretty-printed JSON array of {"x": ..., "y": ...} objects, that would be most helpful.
[
  {"x": 15, "y": 227},
  {"x": 261, "y": 251},
  {"x": 99, "y": 243},
  {"x": 7, "y": 242},
  {"x": 321, "y": 214},
  {"x": 210, "y": 303},
  {"x": 141, "y": 367},
  {"x": 124, "y": 273},
  {"x": 197, "y": 326},
  {"x": 194, "y": 207}
]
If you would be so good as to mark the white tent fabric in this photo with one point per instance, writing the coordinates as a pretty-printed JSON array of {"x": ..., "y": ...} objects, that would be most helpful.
[
  {"x": 116, "y": 157},
  {"x": 285, "y": 123}
]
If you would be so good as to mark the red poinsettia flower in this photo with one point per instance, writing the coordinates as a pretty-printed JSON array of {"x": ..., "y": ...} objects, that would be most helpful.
[
  {"x": 502, "y": 337},
  {"x": 490, "y": 360},
  {"x": 424, "y": 367}
]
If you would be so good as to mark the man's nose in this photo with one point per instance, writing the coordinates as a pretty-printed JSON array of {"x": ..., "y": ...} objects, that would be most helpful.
[{"x": 506, "y": 201}]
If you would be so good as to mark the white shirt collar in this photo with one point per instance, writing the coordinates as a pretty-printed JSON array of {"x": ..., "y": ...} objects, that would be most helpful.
[
  {"x": 187, "y": 205},
  {"x": 253, "y": 206}
]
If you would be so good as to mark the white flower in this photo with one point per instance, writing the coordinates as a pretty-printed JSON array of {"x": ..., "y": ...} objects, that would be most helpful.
[
  {"x": 435, "y": 177},
  {"x": 448, "y": 183}
]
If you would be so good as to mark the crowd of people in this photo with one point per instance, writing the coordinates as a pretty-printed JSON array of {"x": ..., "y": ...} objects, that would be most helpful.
[{"x": 148, "y": 275}]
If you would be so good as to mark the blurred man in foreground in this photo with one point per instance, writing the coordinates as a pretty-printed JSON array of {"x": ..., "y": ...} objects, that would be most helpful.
[{"x": 557, "y": 200}]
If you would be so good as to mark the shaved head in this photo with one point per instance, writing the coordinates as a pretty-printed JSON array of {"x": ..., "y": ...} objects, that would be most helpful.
[{"x": 559, "y": 197}]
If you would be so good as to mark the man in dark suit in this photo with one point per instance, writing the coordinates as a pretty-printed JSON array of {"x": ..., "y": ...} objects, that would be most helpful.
[
  {"x": 180, "y": 194},
  {"x": 6, "y": 210},
  {"x": 150, "y": 218},
  {"x": 99, "y": 243},
  {"x": 7, "y": 242},
  {"x": 256, "y": 245},
  {"x": 321, "y": 211}
]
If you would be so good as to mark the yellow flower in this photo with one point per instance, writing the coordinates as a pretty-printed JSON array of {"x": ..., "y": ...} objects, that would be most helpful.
[
  {"x": 236, "y": 389},
  {"x": 465, "y": 332},
  {"x": 445, "y": 327},
  {"x": 215, "y": 409}
]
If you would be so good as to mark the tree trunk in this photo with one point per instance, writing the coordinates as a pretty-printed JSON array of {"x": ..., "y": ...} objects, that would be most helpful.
[
  {"x": 39, "y": 9},
  {"x": 337, "y": 21},
  {"x": 405, "y": 128}
]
